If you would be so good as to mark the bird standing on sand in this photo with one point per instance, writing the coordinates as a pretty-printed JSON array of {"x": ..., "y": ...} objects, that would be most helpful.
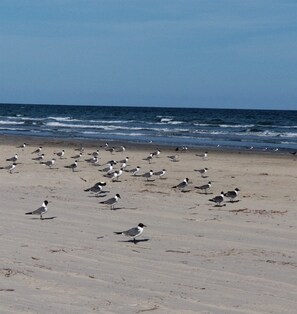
[
  {"x": 9, "y": 168},
  {"x": 133, "y": 232},
  {"x": 156, "y": 153},
  {"x": 116, "y": 175},
  {"x": 149, "y": 158},
  {"x": 204, "y": 187},
  {"x": 182, "y": 185},
  {"x": 49, "y": 163},
  {"x": 218, "y": 199},
  {"x": 39, "y": 211},
  {"x": 232, "y": 194},
  {"x": 135, "y": 171},
  {"x": 112, "y": 201},
  {"x": 96, "y": 188},
  {"x": 202, "y": 172},
  {"x": 72, "y": 166},
  {"x": 61, "y": 153},
  {"x": 13, "y": 159},
  {"x": 39, "y": 158},
  {"x": 22, "y": 146},
  {"x": 38, "y": 150},
  {"x": 160, "y": 174},
  {"x": 148, "y": 175}
]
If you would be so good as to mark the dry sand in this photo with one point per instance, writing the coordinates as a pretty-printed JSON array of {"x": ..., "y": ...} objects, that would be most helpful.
[{"x": 197, "y": 258}]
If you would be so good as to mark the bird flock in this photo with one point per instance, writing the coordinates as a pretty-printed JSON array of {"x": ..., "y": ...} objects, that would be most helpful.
[{"x": 114, "y": 169}]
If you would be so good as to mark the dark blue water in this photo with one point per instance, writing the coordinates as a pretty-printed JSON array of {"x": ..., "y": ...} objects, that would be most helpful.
[{"x": 228, "y": 128}]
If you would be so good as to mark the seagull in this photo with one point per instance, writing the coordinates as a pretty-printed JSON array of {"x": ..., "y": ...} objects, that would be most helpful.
[
  {"x": 60, "y": 154},
  {"x": 293, "y": 153},
  {"x": 174, "y": 158},
  {"x": 202, "y": 171},
  {"x": 95, "y": 154},
  {"x": 232, "y": 194},
  {"x": 218, "y": 199},
  {"x": 135, "y": 171},
  {"x": 125, "y": 160},
  {"x": 39, "y": 211},
  {"x": 39, "y": 158},
  {"x": 38, "y": 150},
  {"x": 72, "y": 166},
  {"x": 148, "y": 175},
  {"x": 80, "y": 149},
  {"x": 204, "y": 156},
  {"x": 149, "y": 158},
  {"x": 96, "y": 188},
  {"x": 156, "y": 153},
  {"x": 112, "y": 201},
  {"x": 204, "y": 187},
  {"x": 133, "y": 232},
  {"x": 111, "y": 150},
  {"x": 182, "y": 185},
  {"x": 77, "y": 157},
  {"x": 161, "y": 173},
  {"x": 117, "y": 174},
  {"x": 49, "y": 163},
  {"x": 13, "y": 159},
  {"x": 22, "y": 146},
  {"x": 112, "y": 162},
  {"x": 9, "y": 168},
  {"x": 121, "y": 149},
  {"x": 108, "y": 169},
  {"x": 94, "y": 160}
]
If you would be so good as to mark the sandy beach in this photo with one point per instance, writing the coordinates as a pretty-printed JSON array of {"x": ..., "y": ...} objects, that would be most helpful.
[{"x": 193, "y": 256}]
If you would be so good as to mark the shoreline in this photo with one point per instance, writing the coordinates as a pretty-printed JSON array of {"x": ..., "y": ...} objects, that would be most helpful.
[{"x": 99, "y": 143}]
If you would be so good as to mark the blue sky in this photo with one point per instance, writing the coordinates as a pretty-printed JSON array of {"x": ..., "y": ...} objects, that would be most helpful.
[{"x": 191, "y": 53}]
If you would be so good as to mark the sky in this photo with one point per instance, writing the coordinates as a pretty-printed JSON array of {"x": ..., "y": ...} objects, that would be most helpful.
[{"x": 171, "y": 53}]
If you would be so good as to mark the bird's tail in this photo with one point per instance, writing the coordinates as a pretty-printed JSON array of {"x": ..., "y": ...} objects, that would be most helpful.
[
  {"x": 29, "y": 213},
  {"x": 118, "y": 232}
]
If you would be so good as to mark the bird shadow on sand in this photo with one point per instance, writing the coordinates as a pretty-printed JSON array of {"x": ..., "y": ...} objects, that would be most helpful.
[
  {"x": 205, "y": 193},
  {"x": 113, "y": 209},
  {"x": 231, "y": 202},
  {"x": 135, "y": 241},
  {"x": 217, "y": 206},
  {"x": 103, "y": 195},
  {"x": 47, "y": 218}
]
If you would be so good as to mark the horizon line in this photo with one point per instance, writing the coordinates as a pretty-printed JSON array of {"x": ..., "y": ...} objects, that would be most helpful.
[{"x": 144, "y": 106}]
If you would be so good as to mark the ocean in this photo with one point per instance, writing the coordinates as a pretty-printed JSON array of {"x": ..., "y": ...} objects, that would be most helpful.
[{"x": 197, "y": 127}]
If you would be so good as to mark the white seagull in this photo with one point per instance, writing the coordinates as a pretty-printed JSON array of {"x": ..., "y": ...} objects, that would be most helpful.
[
  {"x": 112, "y": 201},
  {"x": 49, "y": 163},
  {"x": 218, "y": 199},
  {"x": 148, "y": 174},
  {"x": 204, "y": 187},
  {"x": 182, "y": 185},
  {"x": 135, "y": 171},
  {"x": 202, "y": 172},
  {"x": 96, "y": 188},
  {"x": 13, "y": 159},
  {"x": 160, "y": 174},
  {"x": 133, "y": 232},
  {"x": 232, "y": 194},
  {"x": 72, "y": 166},
  {"x": 38, "y": 150},
  {"x": 39, "y": 211},
  {"x": 61, "y": 153},
  {"x": 9, "y": 168}
]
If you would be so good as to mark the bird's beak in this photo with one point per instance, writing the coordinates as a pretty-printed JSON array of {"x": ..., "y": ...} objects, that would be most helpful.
[{"x": 144, "y": 225}]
